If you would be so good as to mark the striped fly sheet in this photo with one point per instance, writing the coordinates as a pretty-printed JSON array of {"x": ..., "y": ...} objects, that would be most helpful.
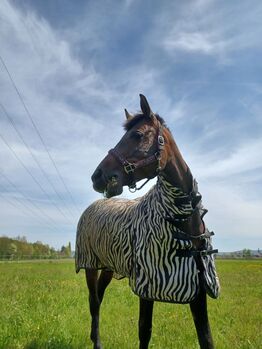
[
  {"x": 175, "y": 279},
  {"x": 133, "y": 239}
]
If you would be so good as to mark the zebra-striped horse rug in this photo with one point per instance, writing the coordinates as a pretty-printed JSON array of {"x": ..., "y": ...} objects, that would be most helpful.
[
  {"x": 134, "y": 239},
  {"x": 176, "y": 278}
]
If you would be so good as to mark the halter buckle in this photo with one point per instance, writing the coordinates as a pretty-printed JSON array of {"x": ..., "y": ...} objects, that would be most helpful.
[
  {"x": 129, "y": 167},
  {"x": 203, "y": 253},
  {"x": 161, "y": 141},
  {"x": 132, "y": 188}
]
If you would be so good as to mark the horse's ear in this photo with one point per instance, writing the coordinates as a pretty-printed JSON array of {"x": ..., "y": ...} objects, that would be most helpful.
[
  {"x": 145, "y": 107},
  {"x": 128, "y": 115}
]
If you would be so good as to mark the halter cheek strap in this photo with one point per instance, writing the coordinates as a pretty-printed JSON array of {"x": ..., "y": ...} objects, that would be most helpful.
[{"x": 131, "y": 167}]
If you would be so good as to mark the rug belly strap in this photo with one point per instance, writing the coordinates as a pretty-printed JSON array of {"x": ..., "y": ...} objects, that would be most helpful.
[{"x": 194, "y": 253}]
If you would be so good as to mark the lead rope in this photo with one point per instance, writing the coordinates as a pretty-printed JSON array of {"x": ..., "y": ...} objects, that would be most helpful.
[{"x": 134, "y": 188}]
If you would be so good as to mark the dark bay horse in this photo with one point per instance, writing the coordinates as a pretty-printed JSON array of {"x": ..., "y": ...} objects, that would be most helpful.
[{"x": 158, "y": 241}]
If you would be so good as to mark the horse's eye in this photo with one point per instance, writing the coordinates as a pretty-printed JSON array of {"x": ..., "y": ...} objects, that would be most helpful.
[{"x": 137, "y": 135}]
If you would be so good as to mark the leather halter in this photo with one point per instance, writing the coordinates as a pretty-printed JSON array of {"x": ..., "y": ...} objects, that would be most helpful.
[{"x": 131, "y": 167}]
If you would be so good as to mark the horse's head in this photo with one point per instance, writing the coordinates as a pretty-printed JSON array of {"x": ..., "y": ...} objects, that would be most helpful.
[{"x": 141, "y": 153}]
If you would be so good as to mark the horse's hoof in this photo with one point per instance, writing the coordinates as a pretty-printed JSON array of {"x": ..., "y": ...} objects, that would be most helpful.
[{"x": 98, "y": 346}]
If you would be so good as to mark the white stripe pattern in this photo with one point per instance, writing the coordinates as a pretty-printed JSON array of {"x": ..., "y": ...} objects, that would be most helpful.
[{"x": 133, "y": 239}]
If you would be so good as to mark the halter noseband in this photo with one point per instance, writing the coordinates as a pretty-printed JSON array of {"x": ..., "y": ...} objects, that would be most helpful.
[{"x": 131, "y": 167}]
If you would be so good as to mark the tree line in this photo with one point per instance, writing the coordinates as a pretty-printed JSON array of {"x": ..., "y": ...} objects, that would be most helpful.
[
  {"x": 20, "y": 248},
  {"x": 245, "y": 253}
]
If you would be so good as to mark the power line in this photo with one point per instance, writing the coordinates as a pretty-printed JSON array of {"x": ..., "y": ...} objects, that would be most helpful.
[
  {"x": 30, "y": 200},
  {"x": 24, "y": 206},
  {"x": 38, "y": 132},
  {"x": 33, "y": 177},
  {"x": 10, "y": 201},
  {"x": 11, "y": 121}
]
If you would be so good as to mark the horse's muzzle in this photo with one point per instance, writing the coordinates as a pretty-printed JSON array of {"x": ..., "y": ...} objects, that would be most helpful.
[
  {"x": 99, "y": 180},
  {"x": 108, "y": 185}
]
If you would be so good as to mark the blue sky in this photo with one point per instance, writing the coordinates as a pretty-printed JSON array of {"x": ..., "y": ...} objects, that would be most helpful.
[{"x": 78, "y": 64}]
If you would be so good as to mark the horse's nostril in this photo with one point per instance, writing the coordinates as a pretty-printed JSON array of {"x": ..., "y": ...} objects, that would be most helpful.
[{"x": 97, "y": 174}]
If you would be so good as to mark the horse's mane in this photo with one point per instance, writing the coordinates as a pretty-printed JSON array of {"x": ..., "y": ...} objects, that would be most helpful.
[{"x": 138, "y": 117}]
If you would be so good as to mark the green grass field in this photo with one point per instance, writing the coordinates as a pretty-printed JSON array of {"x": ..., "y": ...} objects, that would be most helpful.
[{"x": 44, "y": 305}]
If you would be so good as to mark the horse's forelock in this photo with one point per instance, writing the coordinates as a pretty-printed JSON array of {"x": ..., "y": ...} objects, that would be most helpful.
[{"x": 138, "y": 117}]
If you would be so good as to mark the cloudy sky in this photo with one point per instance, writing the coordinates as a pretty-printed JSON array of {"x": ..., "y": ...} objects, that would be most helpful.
[{"x": 69, "y": 68}]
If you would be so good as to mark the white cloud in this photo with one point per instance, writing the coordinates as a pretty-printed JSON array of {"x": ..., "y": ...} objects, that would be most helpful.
[
  {"x": 189, "y": 42},
  {"x": 246, "y": 158},
  {"x": 230, "y": 214},
  {"x": 208, "y": 28}
]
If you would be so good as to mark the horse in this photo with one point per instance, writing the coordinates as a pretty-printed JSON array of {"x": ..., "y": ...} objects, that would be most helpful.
[{"x": 159, "y": 241}]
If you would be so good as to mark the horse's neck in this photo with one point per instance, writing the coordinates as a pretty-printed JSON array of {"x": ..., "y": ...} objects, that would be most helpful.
[
  {"x": 176, "y": 172},
  {"x": 167, "y": 194},
  {"x": 176, "y": 181}
]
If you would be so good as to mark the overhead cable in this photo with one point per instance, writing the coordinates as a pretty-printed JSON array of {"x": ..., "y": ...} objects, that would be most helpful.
[
  {"x": 11, "y": 121},
  {"x": 33, "y": 177},
  {"x": 38, "y": 132},
  {"x": 38, "y": 209}
]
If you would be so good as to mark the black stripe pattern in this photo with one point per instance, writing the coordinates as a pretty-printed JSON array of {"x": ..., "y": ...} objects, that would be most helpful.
[{"x": 133, "y": 239}]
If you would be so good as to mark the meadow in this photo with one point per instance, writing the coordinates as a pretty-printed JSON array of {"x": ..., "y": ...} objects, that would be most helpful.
[{"x": 44, "y": 304}]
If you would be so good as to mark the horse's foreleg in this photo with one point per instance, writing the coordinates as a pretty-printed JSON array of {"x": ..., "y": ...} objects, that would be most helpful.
[
  {"x": 103, "y": 281},
  {"x": 199, "y": 311},
  {"x": 94, "y": 305},
  {"x": 145, "y": 322}
]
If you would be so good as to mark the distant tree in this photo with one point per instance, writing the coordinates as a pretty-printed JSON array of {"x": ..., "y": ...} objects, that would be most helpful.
[
  {"x": 20, "y": 248},
  {"x": 53, "y": 253},
  {"x": 246, "y": 253},
  {"x": 41, "y": 250},
  {"x": 21, "y": 238},
  {"x": 26, "y": 250},
  {"x": 66, "y": 250},
  {"x": 4, "y": 244},
  {"x": 39, "y": 242},
  {"x": 12, "y": 250}
]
